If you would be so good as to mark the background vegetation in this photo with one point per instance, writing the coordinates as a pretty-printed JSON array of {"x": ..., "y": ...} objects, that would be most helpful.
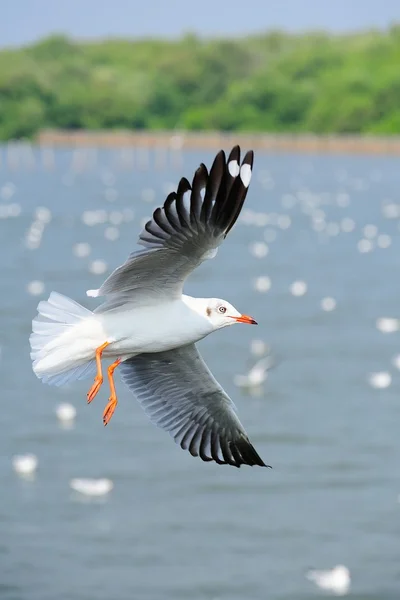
[{"x": 274, "y": 82}]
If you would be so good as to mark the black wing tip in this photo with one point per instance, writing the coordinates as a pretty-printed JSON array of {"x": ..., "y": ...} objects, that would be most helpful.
[
  {"x": 221, "y": 169},
  {"x": 220, "y": 155},
  {"x": 241, "y": 452},
  {"x": 234, "y": 155},
  {"x": 216, "y": 199},
  {"x": 249, "y": 158},
  {"x": 248, "y": 453},
  {"x": 183, "y": 186},
  {"x": 233, "y": 192}
]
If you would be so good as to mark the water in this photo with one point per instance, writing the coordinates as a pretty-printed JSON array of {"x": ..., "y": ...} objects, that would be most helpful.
[{"x": 173, "y": 527}]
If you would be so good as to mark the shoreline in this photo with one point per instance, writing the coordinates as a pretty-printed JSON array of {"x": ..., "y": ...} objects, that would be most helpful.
[{"x": 176, "y": 141}]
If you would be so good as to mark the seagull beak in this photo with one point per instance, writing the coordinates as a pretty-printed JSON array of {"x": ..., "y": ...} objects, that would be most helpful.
[{"x": 245, "y": 319}]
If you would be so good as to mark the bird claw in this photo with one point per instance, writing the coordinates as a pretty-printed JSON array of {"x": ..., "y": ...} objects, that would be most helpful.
[
  {"x": 94, "y": 389},
  {"x": 109, "y": 410}
]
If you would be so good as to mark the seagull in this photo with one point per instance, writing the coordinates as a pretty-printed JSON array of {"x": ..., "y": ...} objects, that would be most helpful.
[
  {"x": 336, "y": 580},
  {"x": 148, "y": 328},
  {"x": 257, "y": 374}
]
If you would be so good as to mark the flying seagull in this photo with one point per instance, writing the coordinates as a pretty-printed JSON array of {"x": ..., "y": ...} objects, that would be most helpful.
[{"x": 148, "y": 327}]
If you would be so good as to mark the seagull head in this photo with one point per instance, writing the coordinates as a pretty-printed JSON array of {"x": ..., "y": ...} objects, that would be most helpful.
[{"x": 222, "y": 314}]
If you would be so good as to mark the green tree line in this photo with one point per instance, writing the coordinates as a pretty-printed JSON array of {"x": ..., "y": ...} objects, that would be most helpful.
[{"x": 276, "y": 82}]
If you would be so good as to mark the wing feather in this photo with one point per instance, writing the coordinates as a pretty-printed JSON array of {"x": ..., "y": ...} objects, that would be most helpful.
[
  {"x": 181, "y": 234},
  {"x": 198, "y": 190},
  {"x": 180, "y": 395}
]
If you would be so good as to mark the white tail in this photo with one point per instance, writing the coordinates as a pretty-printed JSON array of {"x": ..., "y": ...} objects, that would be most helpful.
[{"x": 60, "y": 351}]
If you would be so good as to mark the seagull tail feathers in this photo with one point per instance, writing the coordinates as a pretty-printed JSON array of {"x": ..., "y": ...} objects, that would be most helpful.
[{"x": 59, "y": 350}]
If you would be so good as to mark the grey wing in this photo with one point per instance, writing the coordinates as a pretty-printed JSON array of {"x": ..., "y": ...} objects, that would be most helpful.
[
  {"x": 188, "y": 229},
  {"x": 180, "y": 395}
]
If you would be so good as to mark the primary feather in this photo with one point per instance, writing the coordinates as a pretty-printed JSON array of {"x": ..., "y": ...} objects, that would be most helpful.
[{"x": 187, "y": 230}]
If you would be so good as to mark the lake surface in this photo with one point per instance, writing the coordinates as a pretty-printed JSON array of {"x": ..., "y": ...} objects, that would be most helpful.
[{"x": 174, "y": 527}]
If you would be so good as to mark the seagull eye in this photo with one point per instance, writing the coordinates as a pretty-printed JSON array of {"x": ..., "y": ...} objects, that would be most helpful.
[{"x": 222, "y": 309}]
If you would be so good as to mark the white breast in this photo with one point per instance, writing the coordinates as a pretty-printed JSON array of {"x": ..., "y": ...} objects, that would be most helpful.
[{"x": 153, "y": 328}]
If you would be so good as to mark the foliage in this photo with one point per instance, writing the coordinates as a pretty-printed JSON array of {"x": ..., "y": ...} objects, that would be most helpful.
[{"x": 312, "y": 82}]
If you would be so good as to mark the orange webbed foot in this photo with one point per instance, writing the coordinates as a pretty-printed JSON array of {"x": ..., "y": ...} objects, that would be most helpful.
[
  {"x": 112, "y": 401},
  {"x": 98, "y": 381},
  {"x": 109, "y": 409}
]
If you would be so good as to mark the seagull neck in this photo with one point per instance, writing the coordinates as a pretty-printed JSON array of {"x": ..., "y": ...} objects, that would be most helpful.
[
  {"x": 199, "y": 307},
  {"x": 196, "y": 304}
]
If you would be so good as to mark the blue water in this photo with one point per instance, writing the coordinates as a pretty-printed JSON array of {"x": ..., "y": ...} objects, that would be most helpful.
[{"x": 175, "y": 527}]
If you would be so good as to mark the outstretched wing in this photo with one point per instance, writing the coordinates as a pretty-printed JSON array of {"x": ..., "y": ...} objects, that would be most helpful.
[
  {"x": 185, "y": 231},
  {"x": 180, "y": 395}
]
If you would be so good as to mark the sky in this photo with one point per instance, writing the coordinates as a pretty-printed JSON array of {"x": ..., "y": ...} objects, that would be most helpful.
[{"x": 24, "y": 21}]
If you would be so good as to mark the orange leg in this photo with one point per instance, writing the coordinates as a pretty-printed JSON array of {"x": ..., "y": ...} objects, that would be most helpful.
[
  {"x": 112, "y": 401},
  {"x": 98, "y": 380}
]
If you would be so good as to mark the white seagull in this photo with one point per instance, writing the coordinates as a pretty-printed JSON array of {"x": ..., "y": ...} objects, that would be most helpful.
[
  {"x": 336, "y": 580},
  {"x": 148, "y": 327}
]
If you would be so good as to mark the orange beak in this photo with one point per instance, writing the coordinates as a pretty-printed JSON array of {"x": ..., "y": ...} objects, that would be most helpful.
[{"x": 245, "y": 319}]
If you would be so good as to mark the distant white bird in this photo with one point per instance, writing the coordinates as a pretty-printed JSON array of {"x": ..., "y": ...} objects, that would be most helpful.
[
  {"x": 66, "y": 412},
  {"x": 257, "y": 374},
  {"x": 92, "y": 487},
  {"x": 298, "y": 288},
  {"x": 387, "y": 324},
  {"x": 336, "y": 580},
  {"x": 149, "y": 327},
  {"x": 328, "y": 304},
  {"x": 380, "y": 380},
  {"x": 25, "y": 464}
]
